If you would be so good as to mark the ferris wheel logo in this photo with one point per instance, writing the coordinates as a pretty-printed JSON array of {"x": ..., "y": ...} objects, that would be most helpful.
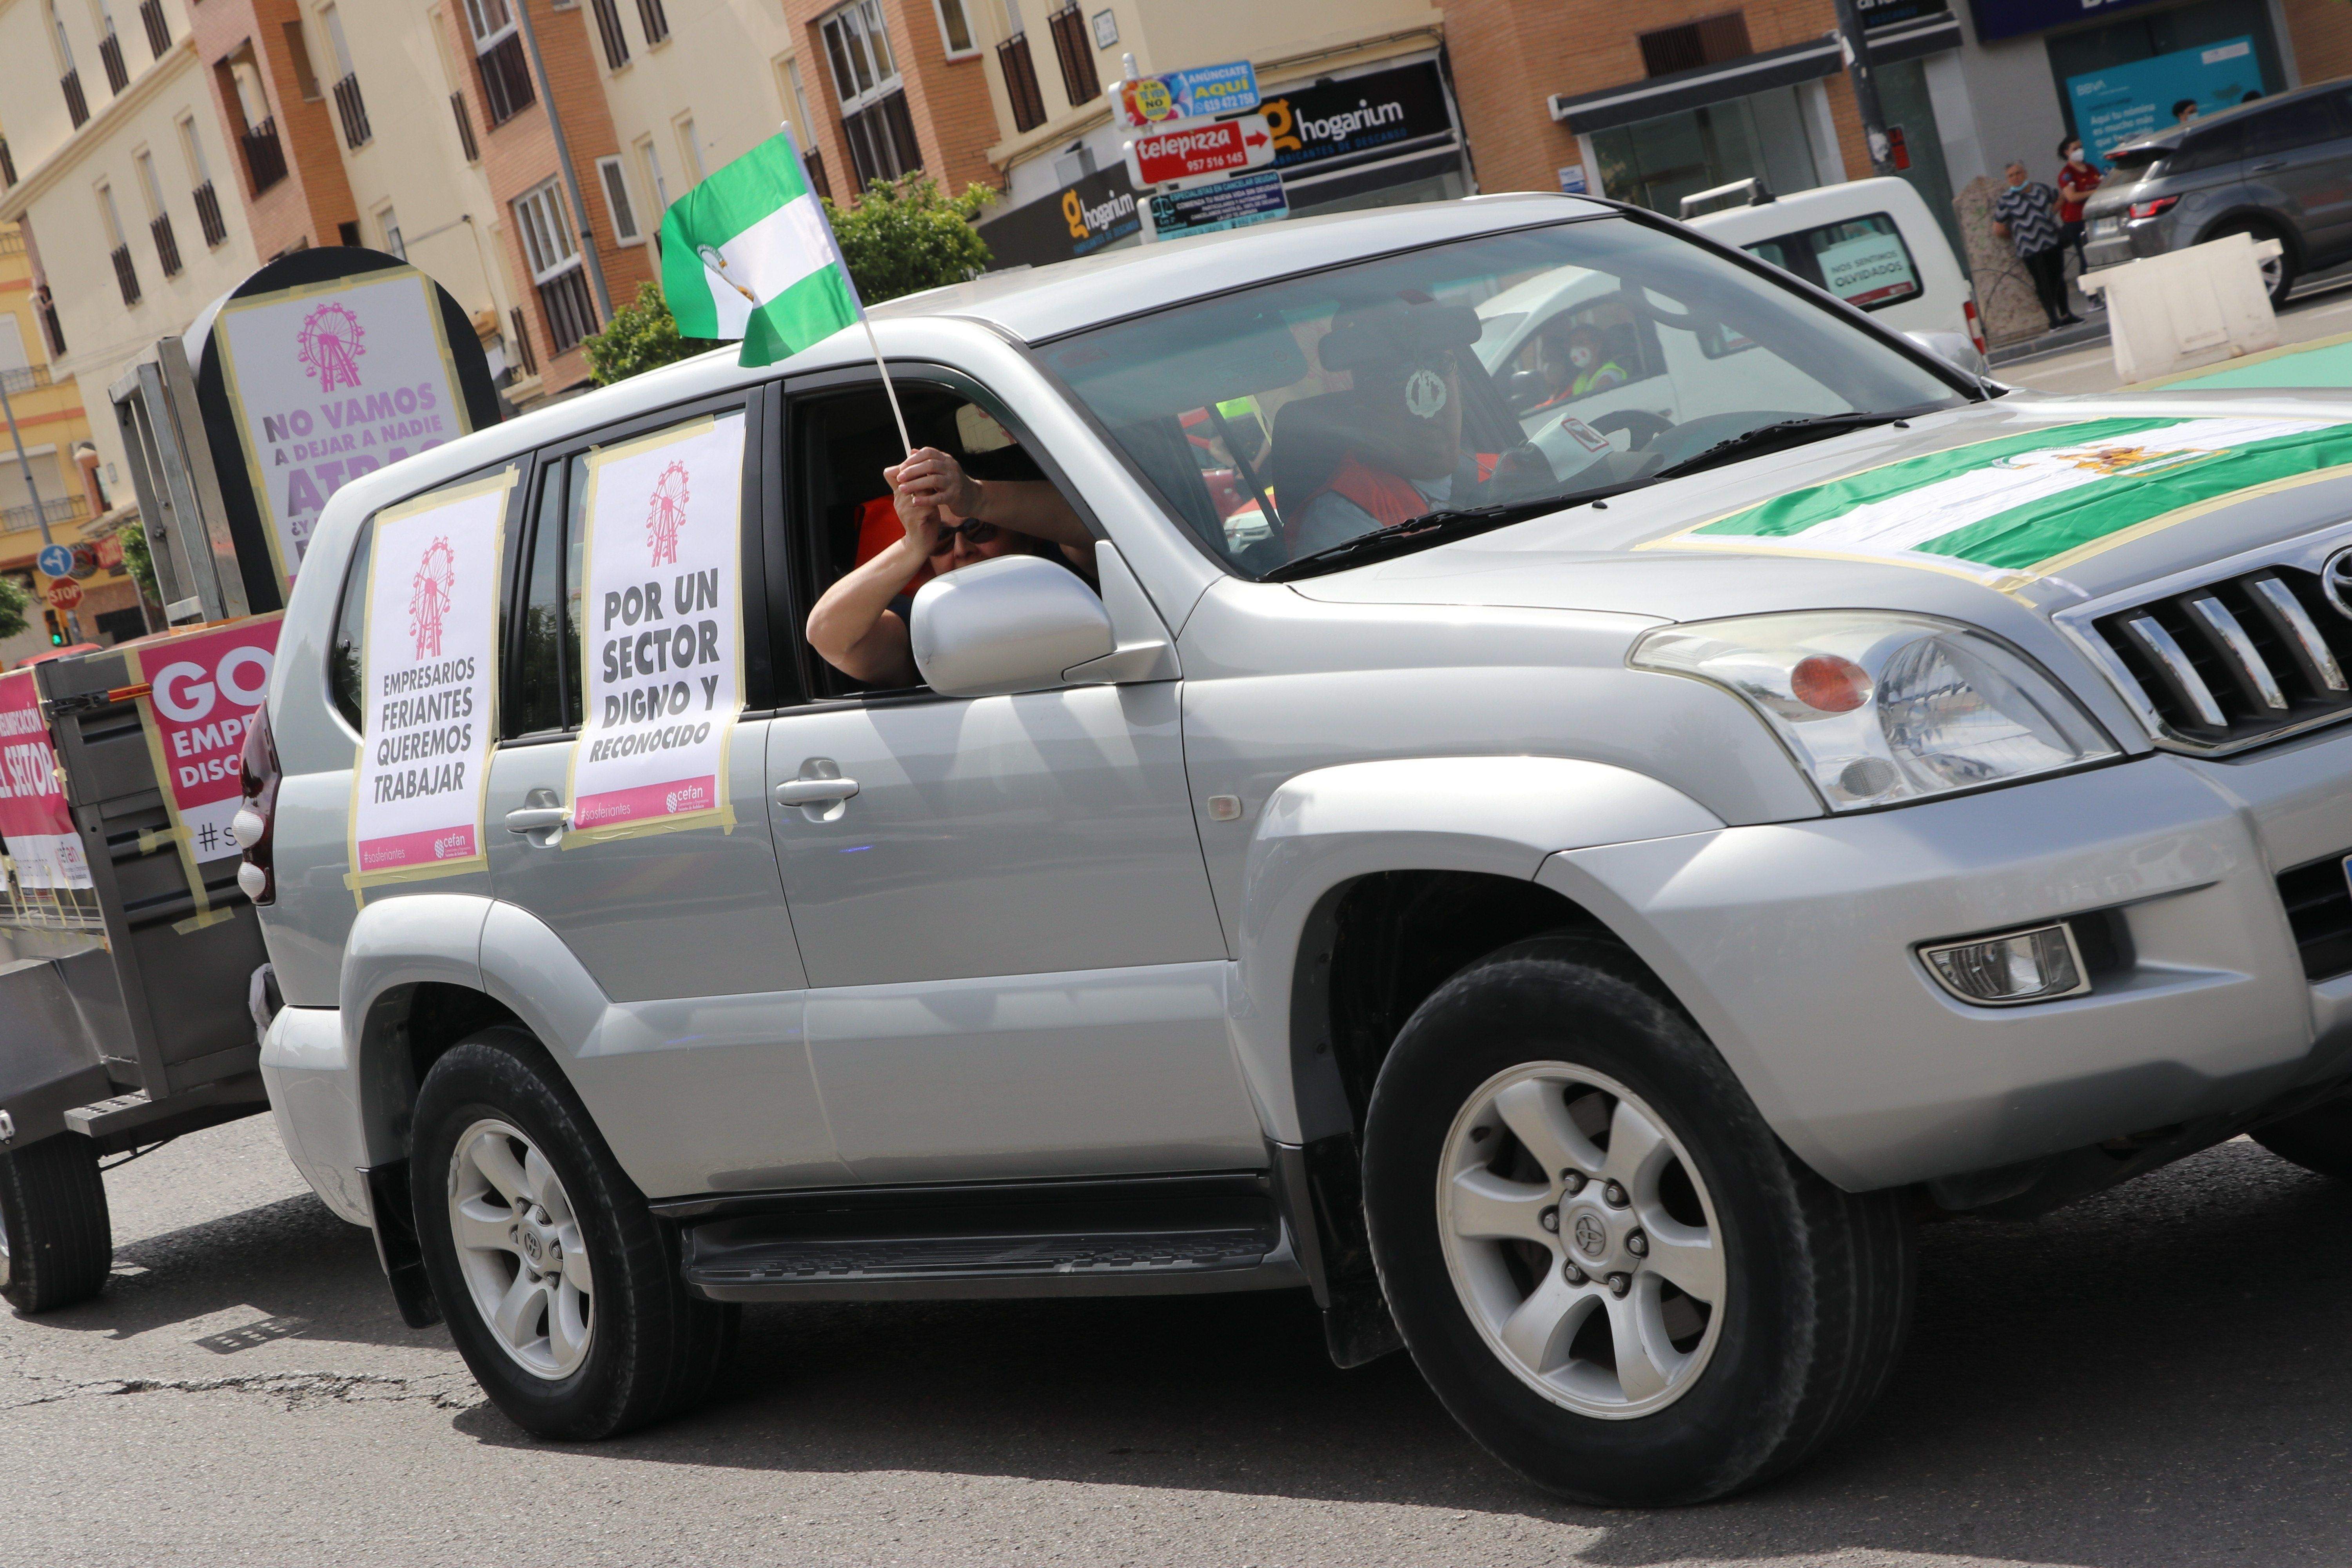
[
  {"x": 666, "y": 515},
  {"x": 428, "y": 596},
  {"x": 332, "y": 342}
]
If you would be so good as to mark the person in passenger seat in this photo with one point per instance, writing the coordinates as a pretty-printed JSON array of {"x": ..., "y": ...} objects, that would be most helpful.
[{"x": 952, "y": 519}]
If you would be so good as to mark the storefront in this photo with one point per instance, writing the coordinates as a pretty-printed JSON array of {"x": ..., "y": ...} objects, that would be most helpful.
[{"x": 2126, "y": 75}]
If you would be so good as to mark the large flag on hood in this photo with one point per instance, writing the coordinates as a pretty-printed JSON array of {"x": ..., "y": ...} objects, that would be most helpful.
[{"x": 748, "y": 254}]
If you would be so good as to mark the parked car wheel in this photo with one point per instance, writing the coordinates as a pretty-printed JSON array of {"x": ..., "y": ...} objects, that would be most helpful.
[
  {"x": 57, "y": 1238},
  {"x": 1610, "y": 1269},
  {"x": 559, "y": 1287},
  {"x": 2319, "y": 1139},
  {"x": 2279, "y": 272}
]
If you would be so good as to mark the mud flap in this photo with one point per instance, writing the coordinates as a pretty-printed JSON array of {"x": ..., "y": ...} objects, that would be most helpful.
[{"x": 394, "y": 1221}]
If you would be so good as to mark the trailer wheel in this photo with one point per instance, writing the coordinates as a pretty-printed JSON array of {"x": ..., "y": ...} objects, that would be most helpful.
[{"x": 57, "y": 1240}]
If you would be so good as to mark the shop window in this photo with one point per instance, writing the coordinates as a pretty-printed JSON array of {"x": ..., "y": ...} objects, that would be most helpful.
[
  {"x": 1691, "y": 44},
  {"x": 1656, "y": 162}
]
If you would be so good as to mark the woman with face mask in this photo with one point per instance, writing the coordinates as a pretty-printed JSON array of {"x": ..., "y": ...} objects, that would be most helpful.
[
  {"x": 2077, "y": 178},
  {"x": 1590, "y": 369}
]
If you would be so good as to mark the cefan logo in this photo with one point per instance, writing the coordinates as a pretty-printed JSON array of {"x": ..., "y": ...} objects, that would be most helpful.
[
  {"x": 428, "y": 596},
  {"x": 665, "y": 515},
  {"x": 332, "y": 342},
  {"x": 448, "y": 845},
  {"x": 685, "y": 798}
]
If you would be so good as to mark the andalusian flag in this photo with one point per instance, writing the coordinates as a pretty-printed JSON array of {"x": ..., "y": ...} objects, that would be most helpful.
[
  {"x": 2029, "y": 504},
  {"x": 748, "y": 254}
]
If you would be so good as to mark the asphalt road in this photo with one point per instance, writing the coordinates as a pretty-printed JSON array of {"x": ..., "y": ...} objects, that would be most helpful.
[
  {"x": 2159, "y": 1376},
  {"x": 2319, "y": 309}
]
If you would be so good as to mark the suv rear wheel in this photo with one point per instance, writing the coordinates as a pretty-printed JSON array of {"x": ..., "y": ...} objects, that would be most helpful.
[
  {"x": 561, "y": 1290},
  {"x": 2278, "y": 272},
  {"x": 1610, "y": 1269}
]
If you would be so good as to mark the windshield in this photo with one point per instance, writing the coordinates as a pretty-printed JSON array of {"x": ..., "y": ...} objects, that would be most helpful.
[{"x": 1501, "y": 375}]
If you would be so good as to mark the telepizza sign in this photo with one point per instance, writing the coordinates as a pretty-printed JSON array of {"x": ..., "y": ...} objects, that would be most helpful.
[{"x": 1198, "y": 150}]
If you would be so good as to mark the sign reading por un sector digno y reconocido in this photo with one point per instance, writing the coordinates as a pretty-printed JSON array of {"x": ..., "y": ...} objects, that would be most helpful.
[
  {"x": 34, "y": 822},
  {"x": 329, "y": 380},
  {"x": 661, "y": 633},
  {"x": 428, "y": 683}
]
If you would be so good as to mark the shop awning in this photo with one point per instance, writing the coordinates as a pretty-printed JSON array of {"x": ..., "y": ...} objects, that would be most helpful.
[{"x": 1676, "y": 91}]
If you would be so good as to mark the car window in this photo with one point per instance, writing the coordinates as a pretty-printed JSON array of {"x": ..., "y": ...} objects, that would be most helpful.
[
  {"x": 1863, "y": 260},
  {"x": 2209, "y": 148},
  {"x": 1512, "y": 368},
  {"x": 2306, "y": 122},
  {"x": 843, "y": 515}
]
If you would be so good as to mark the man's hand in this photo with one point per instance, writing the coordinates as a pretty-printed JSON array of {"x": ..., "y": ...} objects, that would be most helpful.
[{"x": 933, "y": 479}]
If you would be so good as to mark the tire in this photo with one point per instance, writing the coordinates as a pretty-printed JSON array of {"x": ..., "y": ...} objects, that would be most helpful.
[
  {"x": 56, "y": 1240},
  {"x": 1811, "y": 1286},
  {"x": 2319, "y": 1139},
  {"x": 588, "y": 1353},
  {"x": 2281, "y": 273}
]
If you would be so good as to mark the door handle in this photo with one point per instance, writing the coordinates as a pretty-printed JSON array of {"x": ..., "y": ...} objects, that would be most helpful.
[
  {"x": 2274, "y": 167},
  {"x": 812, "y": 791},
  {"x": 531, "y": 818}
]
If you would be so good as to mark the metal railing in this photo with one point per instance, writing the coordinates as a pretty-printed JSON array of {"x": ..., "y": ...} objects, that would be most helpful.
[
  {"x": 12, "y": 241},
  {"x": 167, "y": 249},
  {"x": 265, "y": 160},
  {"x": 656, "y": 19},
  {"x": 353, "y": 109},
  {"x": 45, "y": 909},
  {"x": 77, "y": 106},
  {"x": 125, "y": 274},
  {"x": 110, "y": 50},
  {"x": 25, "y": 378},
  {"x": 506, "y": 80},
  {"x": 464, "y": 128},
  {"x": 159, "y": 31},
  {"x": 571, "y": 313},
  {"x": 56, "y": 510},
  {"x": 608, "y": 28},
  {"x": 208, "y": 214}
]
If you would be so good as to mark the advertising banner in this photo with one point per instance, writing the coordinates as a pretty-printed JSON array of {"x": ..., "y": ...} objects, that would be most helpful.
[
  {"x": 429, "y": 679},
  {"x": 1387, "y": 110},
  {"x": 204, "y": 689},
  {"x": 2115, "y": 104},
  {"x": 1198, "y": 150},
  {"x": 1868, "y": 269},
  {"x": 1201, "y": 92},
  {"x": 329, "y": 380},
  {"x": 1090, "y": 214},
  {"x": 661, "y": 633},
  {"x": 34, "y": 821},
  {"x": 1233, "y": 204}
]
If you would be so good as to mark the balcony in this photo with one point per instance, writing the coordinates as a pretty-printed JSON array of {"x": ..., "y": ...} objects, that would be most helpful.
[
  {"x": 159, "y": 31},
  {"x": 25, "y": 378},
  {"x": 125, "y": 274},
  {"x": 265, "y": 160},
  {"x": 464, "y": 128},
  {"x": 208, "y": 214},
  {"x": 167, "y": 250},
  {"x": 57, "y": 511},
  {"x": 117, "y": 75},
  {"x": 353, "y": 109},
  {"x": 506, "y": 80},
  {"x": 77, "y": 106},
  {"x": 1021, "y": 82},
  {"x": 571, "y": 313}
]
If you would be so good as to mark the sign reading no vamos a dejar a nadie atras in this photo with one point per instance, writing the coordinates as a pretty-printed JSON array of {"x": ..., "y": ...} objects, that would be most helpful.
[
  {"x": 428, "y": 679},
  {"x": 661, "y": 633},
  {"x": 329, "y": 380}
]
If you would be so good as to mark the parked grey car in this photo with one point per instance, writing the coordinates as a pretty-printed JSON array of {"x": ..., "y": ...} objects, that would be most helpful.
[
  {"x": 1571, "y": 905},
  {"x": 2276, "y": 169}
]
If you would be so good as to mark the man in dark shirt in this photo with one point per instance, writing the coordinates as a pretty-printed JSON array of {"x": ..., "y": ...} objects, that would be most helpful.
[{"x": 2026, "y": 215}]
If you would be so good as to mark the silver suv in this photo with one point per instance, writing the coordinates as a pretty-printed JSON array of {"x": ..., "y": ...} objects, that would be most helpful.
[
  {"x": 1567, "y": 898},
  {"x": 2274, "y": 169}
]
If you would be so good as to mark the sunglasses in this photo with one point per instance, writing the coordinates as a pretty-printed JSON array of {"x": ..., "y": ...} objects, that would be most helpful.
[{"x": 978, "y": 532}]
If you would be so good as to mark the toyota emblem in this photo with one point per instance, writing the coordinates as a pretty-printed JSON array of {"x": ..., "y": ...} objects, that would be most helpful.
[
  {"x": 1590, "y": 1238},
  {"x": 2336, "y": 581}
]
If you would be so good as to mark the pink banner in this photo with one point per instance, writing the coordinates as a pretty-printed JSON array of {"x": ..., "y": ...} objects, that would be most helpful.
[
  {"x": 645, "y": 803},
  {"x": 206, "y": 689},
  {"x": 34, "y": 819},
  {"x": 402, "y": 850}
]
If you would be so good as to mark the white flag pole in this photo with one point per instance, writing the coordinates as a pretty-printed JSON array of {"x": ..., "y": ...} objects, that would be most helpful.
[{"x": 889, "y": 391}]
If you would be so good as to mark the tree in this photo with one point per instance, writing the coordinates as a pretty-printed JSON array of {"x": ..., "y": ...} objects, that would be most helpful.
[
  {"x": 905, "y": 236},
  {"x": 640, "y": 337},
  {"x": 137, "y": 561},
  {"x": 13, "y": 602}
]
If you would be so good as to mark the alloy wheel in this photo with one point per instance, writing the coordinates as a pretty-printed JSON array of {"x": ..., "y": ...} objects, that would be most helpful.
[
  {"x": 521, "y": 1250},
  {"x": 1580, "y": 1239}
]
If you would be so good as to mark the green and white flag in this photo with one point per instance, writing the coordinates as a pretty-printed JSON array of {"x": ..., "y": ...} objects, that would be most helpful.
[
  {"x": 748, "y": 254},
  {"x": 2029, "y": 504}
]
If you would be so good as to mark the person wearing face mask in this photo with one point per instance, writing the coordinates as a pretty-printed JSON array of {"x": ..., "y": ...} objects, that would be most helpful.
[
  {"x": 1590, "y": 368},
  {"x": 2076, "y": 180}
]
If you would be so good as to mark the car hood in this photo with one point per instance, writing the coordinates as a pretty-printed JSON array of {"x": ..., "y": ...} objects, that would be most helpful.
[{"x": 2028, "y": 500}]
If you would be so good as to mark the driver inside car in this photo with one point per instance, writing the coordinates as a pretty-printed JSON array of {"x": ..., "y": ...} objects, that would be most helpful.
[{"x": 1401, "y": 426}]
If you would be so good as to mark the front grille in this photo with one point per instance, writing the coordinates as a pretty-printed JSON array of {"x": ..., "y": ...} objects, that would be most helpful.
[
  {"x": 2232, "y": 663},
  {"x": 2318, "y": 899}
]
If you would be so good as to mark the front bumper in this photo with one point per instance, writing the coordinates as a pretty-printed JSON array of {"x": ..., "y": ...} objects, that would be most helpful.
[{"x": 1793, "y": 945}]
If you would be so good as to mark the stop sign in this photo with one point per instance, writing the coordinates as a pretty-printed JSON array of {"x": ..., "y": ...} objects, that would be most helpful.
[{"x": 63, "y": 594}]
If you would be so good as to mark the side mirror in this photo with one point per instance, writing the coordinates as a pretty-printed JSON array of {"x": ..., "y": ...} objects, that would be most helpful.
[
  {"x": 1955, "y": 348},
  {"x": 1013, "y": 623}
]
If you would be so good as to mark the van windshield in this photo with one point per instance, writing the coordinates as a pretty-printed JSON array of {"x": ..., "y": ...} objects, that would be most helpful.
[{"x": 1480, "y": 382}]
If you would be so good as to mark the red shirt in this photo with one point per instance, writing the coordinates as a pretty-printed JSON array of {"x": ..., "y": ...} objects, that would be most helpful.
[{"x": 2084, "y": 180}]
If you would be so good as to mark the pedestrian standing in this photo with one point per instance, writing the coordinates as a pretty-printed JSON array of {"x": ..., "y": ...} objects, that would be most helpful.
[
  {"x": 2027, "y": 216},
  {"x": 2077, "y": 178}
]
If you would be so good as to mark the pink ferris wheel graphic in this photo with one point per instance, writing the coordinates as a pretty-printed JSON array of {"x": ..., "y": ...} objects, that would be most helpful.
[
  {"x": 665, "y": 515},
  {"x": 332, "y": 342},
  {"x": 428, "y": 596}
]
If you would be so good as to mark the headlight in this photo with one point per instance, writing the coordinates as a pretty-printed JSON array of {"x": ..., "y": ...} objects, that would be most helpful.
[{"x": 1879, "y": 708}]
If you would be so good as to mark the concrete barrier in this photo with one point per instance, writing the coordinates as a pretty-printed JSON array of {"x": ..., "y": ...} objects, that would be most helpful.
[{"x": 2191, "y": 307}]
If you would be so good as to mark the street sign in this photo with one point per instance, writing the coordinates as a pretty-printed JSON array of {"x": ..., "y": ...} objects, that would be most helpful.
[
  {"x": 85, "y": 562},
  {"x": 55, "y": 560},
  {"x": 1199, "y": 92},
  {"x": 63, "y": 594},
  {"x": 1193, "y": 151},
  {"x": 1229, "y": 204}
]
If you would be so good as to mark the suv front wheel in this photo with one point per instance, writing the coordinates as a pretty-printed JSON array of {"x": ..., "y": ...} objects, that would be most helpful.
[
  {"x": 1610, "y": 1269},
  {"x": 558, "y": 1285}
]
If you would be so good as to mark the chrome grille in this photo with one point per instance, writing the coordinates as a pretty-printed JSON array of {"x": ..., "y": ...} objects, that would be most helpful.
[{"x": 2230, "y": 663}]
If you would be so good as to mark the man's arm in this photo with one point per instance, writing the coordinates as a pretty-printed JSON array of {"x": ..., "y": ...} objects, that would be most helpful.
[
  {"x": 852, "y": 627},
  {"x": 1033, "y": 507}
]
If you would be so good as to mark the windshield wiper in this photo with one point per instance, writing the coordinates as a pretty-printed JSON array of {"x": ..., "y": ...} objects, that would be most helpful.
[
  {"x": 1439, "y": 527},
  {"x": 1783, "y": 433}
]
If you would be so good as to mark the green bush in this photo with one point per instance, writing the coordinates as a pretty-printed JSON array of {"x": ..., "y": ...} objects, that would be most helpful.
[
  {"x": 138, "y": 561},
  {"x": 640, "y": 337},
  {"x": 906, "y": 236},
  {"x": 12, "y": 602}
]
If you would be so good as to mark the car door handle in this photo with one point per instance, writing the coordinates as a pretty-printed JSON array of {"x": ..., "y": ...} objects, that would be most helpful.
[
  {"x": 531, "y": 818},
  {"x": 814, "y": 792},
  {"x": 2274, "y": 167}
]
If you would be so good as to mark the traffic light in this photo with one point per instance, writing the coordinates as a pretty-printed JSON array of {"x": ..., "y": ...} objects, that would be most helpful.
[{"x": 57, "y": 632}]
